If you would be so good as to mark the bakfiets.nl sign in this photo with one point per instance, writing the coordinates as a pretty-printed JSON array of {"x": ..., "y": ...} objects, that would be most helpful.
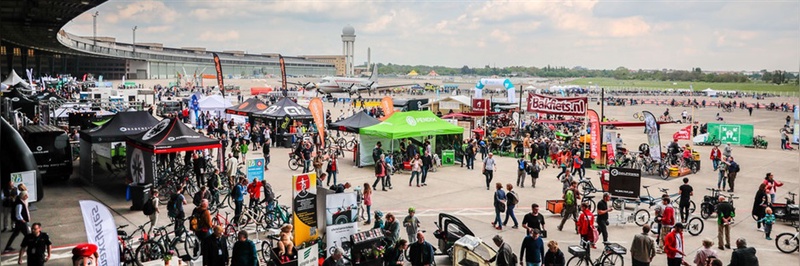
[
  {"x": 557, "y": 105},
  {"x": 624, "y": 182}
]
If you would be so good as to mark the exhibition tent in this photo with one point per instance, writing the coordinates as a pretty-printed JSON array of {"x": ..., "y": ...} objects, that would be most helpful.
[
  {"x": 418, "y": 125},
  {"x": 24, "y": 103},
  {"x": 13, "y": 80},
  {"x": 123, "y": 124},
  {"x": 248, "y": 107},
  {"x": 215, "y": 104},
  {"x": 354, "y": 123},
  {"x": 283, "y": 108},
  {"x": 170, "y": 135}
]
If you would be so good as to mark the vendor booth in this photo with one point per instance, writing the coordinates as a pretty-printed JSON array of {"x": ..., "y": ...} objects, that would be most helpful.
[
  {"x": 354, "y": 123},
  {"x": 281, "y": 116},
  {"x": 455, "y": 104},
  {"x": 26, "y": 105},
  {"x": 416, "y": 125},
  {"x": 104, "y": 146},
  {"x": 247, "y": 108},
  {"x": 215, "y": 105}
]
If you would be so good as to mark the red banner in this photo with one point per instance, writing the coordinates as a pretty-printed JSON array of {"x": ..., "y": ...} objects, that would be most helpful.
[
  {"x": 594, "y": 124},
  {"x": 387, "y": 105},
  {"x": 218, "y": 67},
  {"x": 283, "y": 72},
  {"x": 684, "y": 133},
  {"x": 557, "y": 105},
  {"x": 319, "y": 117},
  {"x": 481, "y": 105}
]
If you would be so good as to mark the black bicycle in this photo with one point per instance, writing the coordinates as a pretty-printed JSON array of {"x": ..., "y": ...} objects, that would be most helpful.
[{"x": 612, "y": 255}]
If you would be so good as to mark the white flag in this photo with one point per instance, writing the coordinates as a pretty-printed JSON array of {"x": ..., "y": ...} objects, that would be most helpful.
[{"x": 101, "y": 230}]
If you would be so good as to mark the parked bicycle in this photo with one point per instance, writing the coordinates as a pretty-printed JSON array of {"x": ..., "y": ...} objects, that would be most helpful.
[
  {"x": 611, "y": 255},
  {"x": 184, "y": 243},
  {"x": 788, "y": 242},
  {"x": 709, "y": 205},
  {"x": 278, "y": 216},
  {"x": 127, "y": 257}
]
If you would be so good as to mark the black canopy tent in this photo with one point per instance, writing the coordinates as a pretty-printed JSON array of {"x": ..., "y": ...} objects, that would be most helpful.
[
  {"x": 117, "y": 129},
  {"x": 168, "y": 136},
  {"x": 247, "y": 108},
  {"x": 19, "y": 100},
  {"x": 354, "y": 123},
  {"x": 281, "y": 114}
]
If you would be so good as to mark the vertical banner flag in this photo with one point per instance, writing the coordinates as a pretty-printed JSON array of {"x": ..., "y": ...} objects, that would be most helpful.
[
  {"x": 283, "y": 72},
  {"x": 387, "y": 105},
  {"x": 101, "y": 230},
  {"x": 319, "y": 117},
  {"x": 304, "y": 207},
  {"x": 218, "y": 67},
  {"x": 653, "y": 139},
  {"x": 594, "y": 124},
  {"x": 684, "y": 133}
]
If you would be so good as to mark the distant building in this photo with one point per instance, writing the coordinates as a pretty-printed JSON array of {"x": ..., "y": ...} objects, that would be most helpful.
[{"x": 338, "y": 61}]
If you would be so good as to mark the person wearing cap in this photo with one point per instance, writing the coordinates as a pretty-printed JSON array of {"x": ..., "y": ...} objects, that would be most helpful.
[
  {"x": 35, "y": 245},
  {"x": 84, "y": 255},
  {"x": 411, "y": 223},
  {"x": 21, "y": 218},
  {"x": 504, "y": 256},
  {"x": 335, "y": 259},
  {"x": 674, "y": 245},
  {"x": 215, "y": 249},
  {"x": 244, "y": 251}
]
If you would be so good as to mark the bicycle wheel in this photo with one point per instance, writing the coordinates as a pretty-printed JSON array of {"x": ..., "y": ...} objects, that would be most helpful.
[
  {"x": 592, "y": 204},
  {"x": 266, "y": 252},
  {"x": 127, "y": 257},
  {"x": 695, "y": 226},
  {"x": 293, "y": 164},
  {"x": 578, "y": 261},
  {"x": 716, "y": 142},
  {"x": 705, "y": 210},
  {"x": 613, "y": 259},
  {"x": 149, "y": 251},
  {"x": 692, "y": 206},
  {"x": 636, "y": 115},
  {"x": 663, "y": 171},
  {"x": 190, "y": 245},
  {"x": 787, "y": 243},
  {"x": 585, "y": 188},
  {"x": 693, "y": 167},
  {"x": 641, "y": 217}
]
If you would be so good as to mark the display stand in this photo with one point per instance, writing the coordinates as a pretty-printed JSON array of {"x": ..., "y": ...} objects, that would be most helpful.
[{"x": 364, "y": 248}]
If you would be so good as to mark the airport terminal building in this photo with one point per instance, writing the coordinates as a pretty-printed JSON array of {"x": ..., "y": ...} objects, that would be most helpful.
[{"x": 31, "y": 36}]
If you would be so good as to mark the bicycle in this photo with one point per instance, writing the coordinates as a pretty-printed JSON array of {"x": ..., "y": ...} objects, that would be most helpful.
[
  {"x": 788, "y": 242},
  {"x": 295, "y": 162},
  {"x": 759, "y": 142},
  {"x": 612, "y": 254},
  {"x": 127, "y": 257},
  {"x": 639, "y": 116},
  {"x": 230, "y": 230},
  {"x": 709, "y": 205},
  {"x": 279, "y": 215},
  {"x": 155, "y": 248},
  {"x": 639, "y": 216}
]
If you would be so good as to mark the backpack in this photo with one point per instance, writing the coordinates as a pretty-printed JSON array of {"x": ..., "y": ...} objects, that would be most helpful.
[
  {"x": 172, "y": 206},
  {"x": 521, "y": 164},
  {"x": 194, "y": 223},
  {"x": 569, "y": 197},
  {"x": 734, "y": 168},
  {"x": 269, "y": 195},
  {"x": 514, "y": 199},
  {"x": 148, "y": 208}
]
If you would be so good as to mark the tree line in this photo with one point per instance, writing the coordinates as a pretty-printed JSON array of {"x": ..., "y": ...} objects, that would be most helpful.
[{"x": 621, "y": 73}]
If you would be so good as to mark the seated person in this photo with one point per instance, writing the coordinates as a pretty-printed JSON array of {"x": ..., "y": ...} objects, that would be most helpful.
[{"x": 339, "y": 188}]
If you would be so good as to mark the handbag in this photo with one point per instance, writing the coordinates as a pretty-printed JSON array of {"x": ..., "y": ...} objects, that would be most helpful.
[
  {"x": 595, "y": 235},
  {"x": 543, "y": 233}
]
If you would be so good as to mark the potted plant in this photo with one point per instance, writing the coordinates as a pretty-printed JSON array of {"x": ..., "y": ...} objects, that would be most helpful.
[{"x": 168, "y": 256}]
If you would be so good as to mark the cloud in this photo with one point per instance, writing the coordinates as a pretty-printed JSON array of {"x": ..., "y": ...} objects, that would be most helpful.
[
  {"x": 156, "y": 29},
  {"x": 142, "y": 11},
  {"x": 210, "y": 36}
]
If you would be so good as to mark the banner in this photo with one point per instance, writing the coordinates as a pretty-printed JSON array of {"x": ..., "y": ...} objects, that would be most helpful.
[
  {"x": 29, "y": 179},
  {"x": 283, "y": 72},
  {"x": 575, "y": 106},
  {"x": 481, "y": 105},
  {"x": 304, "y": 207},
  {"x": 319, "y": 117},
  {"x": 308, "y": 256},
  {"x": 594, "y": 125},
  {"x": 387, "y": 105},
  {"x": 624, "y": 182},
  {"x": 684, "y": 133},
  {"x": 342, "y": 208},
  {"x": 735, "y": 134},
  {"x": 255, "y": 169},
  {"x": 338, "y": 236},
  {"x": 478, "y": 92},
  {"x": 218, "y": 67},
  {"x": 653, "y": 138},
  {"x": 101, "y": 230}
]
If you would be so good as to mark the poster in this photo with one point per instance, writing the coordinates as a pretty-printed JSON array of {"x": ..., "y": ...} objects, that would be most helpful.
[
  {"x": 594, "y": 124},
  {"x": 575, "y": 106},
  {"x": 339, "y": 236},
  {"x": 304, "y": 207},
  {"x": 100, "y": 230},
  {"x": 624, "y": 182},
  {"x": 480, "y": 105},
  {"x": 141, "y": 166},
  {"x": 255, "y": 169},
  {"x": 308, "y": 256},
  {"x": 29, "y": 179},
  {"x": 735, "y": 134},
  {"x": 342, "y": 208},
  {"x": 653, "y": 139}
]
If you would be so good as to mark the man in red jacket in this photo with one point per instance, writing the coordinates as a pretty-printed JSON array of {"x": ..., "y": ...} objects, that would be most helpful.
[
  {"x": 673, "y": 245},
  {"x": 667, "y": 220},
  {"x": 586, "y": 224},
  {"x": 254, "y": 189}
]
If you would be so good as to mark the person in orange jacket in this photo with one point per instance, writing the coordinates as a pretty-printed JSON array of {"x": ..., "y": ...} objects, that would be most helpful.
[
  {"x": 254, "y": 189},
  {"x": 586, "y": 224}
]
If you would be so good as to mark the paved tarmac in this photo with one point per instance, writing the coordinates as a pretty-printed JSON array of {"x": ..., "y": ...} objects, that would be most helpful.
[{"x": 462, "y": 192}]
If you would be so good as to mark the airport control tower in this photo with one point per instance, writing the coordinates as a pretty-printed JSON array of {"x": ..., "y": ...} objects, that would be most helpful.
[{"x": 348, "y": 38}]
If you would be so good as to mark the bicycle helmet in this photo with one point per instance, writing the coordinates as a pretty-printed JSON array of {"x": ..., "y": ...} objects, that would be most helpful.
[{"x": 411, "y": 209}]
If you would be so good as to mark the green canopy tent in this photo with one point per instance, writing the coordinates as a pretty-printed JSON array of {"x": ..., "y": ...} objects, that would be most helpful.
[{"x": 403, "y": 125}]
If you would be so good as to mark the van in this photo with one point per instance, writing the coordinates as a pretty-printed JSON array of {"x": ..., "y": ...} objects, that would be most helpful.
[{"x": 51, "y": 149}]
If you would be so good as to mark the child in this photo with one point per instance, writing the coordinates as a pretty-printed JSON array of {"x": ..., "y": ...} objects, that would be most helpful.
[
  {"x": 286, "y": 242},
  {"x": 768, "y": 220},
  {"x": 411, "y": 223},
  {"x": 378, "y": 220}
]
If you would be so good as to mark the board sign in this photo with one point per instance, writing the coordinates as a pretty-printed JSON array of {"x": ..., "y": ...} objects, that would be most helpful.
[
  {"x": 29, "y": 179},
  {"x": 308, "y": 256},
  {"x": 480, "y": 105},
  {"x": 735, "y": 134},
  {"x": 255, "y": 169},
  {"x": 447, "y": 105},
  {"x": 624, "y": 182}
]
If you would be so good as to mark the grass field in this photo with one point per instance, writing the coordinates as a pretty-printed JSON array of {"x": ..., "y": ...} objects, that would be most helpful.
[{"x": 653, "y": 84}]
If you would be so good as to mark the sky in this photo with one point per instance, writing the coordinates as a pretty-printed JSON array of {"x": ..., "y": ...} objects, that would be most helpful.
[{"x": 713, "y": 35}]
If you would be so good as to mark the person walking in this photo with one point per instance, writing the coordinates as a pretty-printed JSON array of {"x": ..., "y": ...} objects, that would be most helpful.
[
  {"x": 511, "y": 202},
  {"x": 715, "y": 156},
  {"x": 504, "y": 256},
  {"x": 768, "y": 220},
  {"x": 266, "y": 153},
  {"x": 35, "y": 244},
  {"x": 743, "y": 255},
  {"x": 380, "y": 173},
  {"x": 244, "y": 251},
  {"x": 771, "y": 187},
  {"x": 585, "y": 224},
  {"x": 411, "y": 223},
  {"x": 522, "y": 165},
  {"x": 367, "y": 201},
  {"x": 254, "y": 190},
  {"x": 427, "y": 164},
  {"x": 489, "y": 165},
  {"x": 666, "y": 219},
  {"x": 499, "y": 200},
  {"x": 420, "y": 253},
  {"x": 8, "y": 195},
  {"x": 728, "y": 150},
  {"x": 534, "y": 220},
  {"x": 725, "y": 214},
  {"x": 760, "y": 204},
  {"x": 687, "y": 192},
  {"x": 534, "y": 169},
  {"x": 733, "y": 169},
  {"x": 643, "y": 248},
  {"x": 238, "y": 198},
  {"x": 534, "y": 246},
  {"x": 571, "y": 197},
  {"x": 153, "y": 202},
  {"x": 674, "y": 246},
  {"x": 215, "y": 248},
  {"x": 704, "y": 254},
  {"x": 553, "y": 256},
  {"x": 332, "y": 170},
  {"x": 21, "y": 218},
  {"x": 602, "y": 216},
  {"x": 416, "y": 168}
]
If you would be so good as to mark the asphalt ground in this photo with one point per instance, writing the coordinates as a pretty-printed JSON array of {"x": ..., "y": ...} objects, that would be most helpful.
[{"x": 462, "y": 192}]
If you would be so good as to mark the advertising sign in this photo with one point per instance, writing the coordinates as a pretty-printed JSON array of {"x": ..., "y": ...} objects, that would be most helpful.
[
  {"x": 683, "y": 134},
  {"x": 100, "y": 230},
  {"x": 339, "y": 236},
  {"x": 594, "y": 124},
  {"x": 480, "y": 105},
  {"x": 735, "y": 134},
  {"x": 653, "y": 139},
  {"x": 255, "y": 169},
  {"x": 308, "y": 256},
  {"x": 342, "y": 208},
  {"x": 29, "y": 179},
  {"x": 304, "y": 207},
  {"x": 624, "y": 182},
  {"x": 575, "y": 106}
]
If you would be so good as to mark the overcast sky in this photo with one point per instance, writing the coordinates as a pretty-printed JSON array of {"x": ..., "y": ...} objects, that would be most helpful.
[{"x": 713, "y": 35}]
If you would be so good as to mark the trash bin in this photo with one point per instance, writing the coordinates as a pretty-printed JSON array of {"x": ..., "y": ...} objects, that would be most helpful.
[
  {"x": 139, "y": 195},
  {"x": 287, "y": 140},
  {"x": 448, "y": 157}
]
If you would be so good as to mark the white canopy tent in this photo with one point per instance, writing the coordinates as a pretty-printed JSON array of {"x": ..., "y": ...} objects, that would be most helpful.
[
  {"x": 13, "y": 80},
  {"x": 215, "y": 105},
  {"x": 709, "y": 92}
]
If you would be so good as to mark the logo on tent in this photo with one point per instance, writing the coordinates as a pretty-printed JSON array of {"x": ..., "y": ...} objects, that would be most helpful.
[
  {"x": 137, "y": 166},
  {"x": 157, "y": 129},
  {"x": 411, "y": 121}
]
